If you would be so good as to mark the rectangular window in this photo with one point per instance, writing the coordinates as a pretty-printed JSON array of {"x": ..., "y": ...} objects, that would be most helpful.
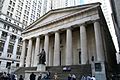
[
  {"x": 9, "y": 7},
  {"x": 13, "y": 4},
  {"x": 12, "y": 9},
  {"x": 2, "y": 45},
  {"x": 4, "y": 26},
  {"x": 10, "y": 47},
  {"x": 9, "y": 20},
  {"x": 11, "y": 14},
  {"x": 10, "y": 2},
  {"x": 17, "y": 64},
  {"x": 6, "y": 19},
  {"x": 8, "y": 27},
  {"x": 8, "y": 64},
  {"x": 4, "y": 34},
  {"x": 0, "y": 62},
  {"x": 8, "y": 13}
]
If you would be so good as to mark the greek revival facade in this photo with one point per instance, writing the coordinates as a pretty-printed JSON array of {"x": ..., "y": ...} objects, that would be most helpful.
[{"x": 70, "y": 36}]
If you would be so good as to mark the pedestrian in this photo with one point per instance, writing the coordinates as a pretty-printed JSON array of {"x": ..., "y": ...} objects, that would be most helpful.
[
  {"x": 13, "y": 77},
  {"x": 93, "y": 78},
  {"x": 39, "y": 77},
  {"x": 73, "y": 77},
  {"x": 21, "y": 77},
  {"x": 55, "y": 76},
  {"x": 32, "y": 76},
  {"x": 5, "y": 76},
  {"x": 83, "y": 78},
  {"x": 69, "y": 76},
  {"x": 9, "y": 78},
  {"x": 88, "y": 77}
]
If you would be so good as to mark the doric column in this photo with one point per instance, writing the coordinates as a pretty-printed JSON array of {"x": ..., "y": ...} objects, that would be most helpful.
[
  {"x": 69, "y": 47},
  {"x": 22, "y": 57},
  {"x": 99, "y": 43},
  {"x": 46, "y": 45},
  {"x": 37, "y": 49},
  {"x": 57, "y": 49},
  {"x": 15, "y": 49},
  {"x": 51, "y": 54},
  {"x": 83, "y": 39},
  {"x": 4, "y": 54},
  {"x": 29, "y": 51}
]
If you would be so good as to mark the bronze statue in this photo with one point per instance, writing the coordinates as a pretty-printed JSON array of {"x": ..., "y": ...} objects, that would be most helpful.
[{"x": 42, "y": 57}]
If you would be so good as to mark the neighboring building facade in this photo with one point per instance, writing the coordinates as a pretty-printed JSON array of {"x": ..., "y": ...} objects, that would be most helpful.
[
  {"x": 106, "y": 8},
  {"x": 70, "y": 36},
  {"x": 10, "y": 37},
  {"x": 14, "y": 17},
  {"x": 116, "y": 19}
]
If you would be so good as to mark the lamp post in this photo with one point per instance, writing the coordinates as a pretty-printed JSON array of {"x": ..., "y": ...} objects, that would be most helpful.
[
  {"x": 93, "y": 65},
  {"x": 8, "y": 69},
  {"x": 13, "y": 66}
]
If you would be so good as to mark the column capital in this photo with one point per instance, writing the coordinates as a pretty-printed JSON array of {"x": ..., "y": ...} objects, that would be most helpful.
[
  {"x": 30, "y": 38},
  {"x": 83, "y": 24},
  {"x": 97, "y": 20},
  {"x": 46, "y": 34},
  {"x": 23, "y": 39},
  {"x": 71, "y": 27},
  {"x": 58, "y": 31},
  {"x": 37, "y": 36}
]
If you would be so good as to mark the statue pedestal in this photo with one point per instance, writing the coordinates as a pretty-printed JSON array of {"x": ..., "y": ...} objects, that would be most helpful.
[{"x": 41, "y": 67}]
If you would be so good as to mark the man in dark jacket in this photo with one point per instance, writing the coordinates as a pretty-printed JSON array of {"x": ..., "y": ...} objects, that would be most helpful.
[{"x": 32, "y": 76}]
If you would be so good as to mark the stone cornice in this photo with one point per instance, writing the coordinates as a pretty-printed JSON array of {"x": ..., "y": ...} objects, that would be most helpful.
[{"x": 13, "y": 25}]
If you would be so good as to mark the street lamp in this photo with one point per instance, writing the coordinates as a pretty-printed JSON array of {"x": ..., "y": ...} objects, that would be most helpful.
[{"x": 8, "y": 69}]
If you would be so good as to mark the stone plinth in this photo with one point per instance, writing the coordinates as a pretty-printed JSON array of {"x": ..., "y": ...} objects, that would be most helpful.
[
  {"x": 37, "y": 73},
  {"x": 99, "y": 68},
  {"x": 41, "y": 67}
]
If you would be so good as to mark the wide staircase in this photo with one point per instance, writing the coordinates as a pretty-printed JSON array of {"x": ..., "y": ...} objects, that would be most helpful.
[{"x": 63, "y": 71}]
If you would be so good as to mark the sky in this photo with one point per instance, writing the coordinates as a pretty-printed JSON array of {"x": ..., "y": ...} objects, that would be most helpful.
[{"x": 82, "y": 1}]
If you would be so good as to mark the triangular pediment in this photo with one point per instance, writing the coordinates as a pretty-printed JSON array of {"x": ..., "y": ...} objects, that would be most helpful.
[{"x": 56, "y": 14}]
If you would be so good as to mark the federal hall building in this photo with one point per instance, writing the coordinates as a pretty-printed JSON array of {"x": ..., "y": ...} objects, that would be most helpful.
[{"x": 71, "y": 36}]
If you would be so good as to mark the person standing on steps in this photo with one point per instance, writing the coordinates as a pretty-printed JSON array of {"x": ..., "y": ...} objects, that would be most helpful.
[
  {"x": 21, "y": 77},
  {"x": 32, "y": 76},
  {"x": 55, "y": 76},
  {"x": 73, "y": 77},
  {"x": 39, "y": 77},
  {"x": 69, "y": 77}
]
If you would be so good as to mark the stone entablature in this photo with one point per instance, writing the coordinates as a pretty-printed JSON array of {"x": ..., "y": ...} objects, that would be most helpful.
[{"x": 77, "y": 18}]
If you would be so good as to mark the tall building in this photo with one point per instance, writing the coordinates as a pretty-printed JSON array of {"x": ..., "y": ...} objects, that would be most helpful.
[
  {"x": 106, "y": 8},
  {"x": 10, "y": 36},
  {"x": 116, "y": 20},
  {"x": 15, "y": 15}
]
